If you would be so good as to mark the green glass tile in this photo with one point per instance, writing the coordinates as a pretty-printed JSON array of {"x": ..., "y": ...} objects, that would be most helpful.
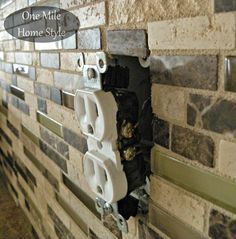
[
  {"x": 81, "y": 195},
  {"x": 170, "y": 225},
  {"x": 50, "y": 123},
  {"x": 3, "y": 110},
  {"x": 67, "y": 208},
  {"x": 17, "y": 92},
  {"x": 30, "y": 135},
  {"x": 207, "y": 185}
]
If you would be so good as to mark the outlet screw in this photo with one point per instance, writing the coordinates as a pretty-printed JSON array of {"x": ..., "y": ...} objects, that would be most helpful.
[
  {"x": 108, "y": 208},
  {"x": 91, "y": 73}
]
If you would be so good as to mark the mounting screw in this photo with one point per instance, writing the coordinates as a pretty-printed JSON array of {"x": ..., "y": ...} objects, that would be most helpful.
[
  {"x": 108, "y": 208},
  {"x": 91, "y": 73}
]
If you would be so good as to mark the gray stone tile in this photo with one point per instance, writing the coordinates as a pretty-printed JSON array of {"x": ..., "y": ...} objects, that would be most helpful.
[
  {"x": 127, "y": 42},
  {"x": 161, "y": 132},
  {"x": 42, "y": 90},
  {"x": 193, "y": 145},
  {"x": 221, "y": 226},
  {"x": 50, "y": 60},
  {"x": 68, "y": 82},
  {"x": 70, "y": 42},
  {"x": 225, "y": 5},
  {"x": 55, "y": 157},
  {"x": 61, "y": 230},
  {"x": 196, "y": 105},
  {"x": 75, "y": 140},
  {"x": 23, "y": 107},
  {"x": 8, "y": 67},
  {"x": 219, "y": 118},
  {"x": 186, "y": 71},
  {"x": 48, "y": 92},
  {"x": 42, "y": 105},
  {"x": 14, "y": 80},
  {"x": 55, "y": 142},
  {"x": 55, "y": 95},
  {"x": 89, "y": 39}
]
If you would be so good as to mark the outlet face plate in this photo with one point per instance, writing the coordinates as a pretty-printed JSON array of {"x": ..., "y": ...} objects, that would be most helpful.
[
  {"x": 96, "y": 113},
  {"x": 103, "y": 177}
]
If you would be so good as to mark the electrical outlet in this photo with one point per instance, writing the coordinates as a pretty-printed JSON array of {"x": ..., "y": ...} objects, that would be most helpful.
[
  {"x": 103, "y": 177},
  {"x": 96, "y": 113}
]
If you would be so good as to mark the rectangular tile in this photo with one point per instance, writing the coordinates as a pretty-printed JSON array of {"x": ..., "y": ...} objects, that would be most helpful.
[
  {"x": 55, "y": 142},
  {"x": 89, "y": 39},
  {"x": 50, "y": 60},
  {"x": 68, "y": 99},
  {"x": 91, "y": 15},
  {"x": 17, "y": 92},
  {"x": 13, "y": 129},
  {"x": 127, "y": 42},
  {"x": 75, "y": 140},
  {"x": 161, "y": 132},
  {"x": 230, "y": 73},
  {"x": 193, "y": 145},
  {"x": 81, "y": 195},
  {"x": 23, "y": 107},
  {"x": 61, "y": 230},
  {"x": 171, "y": 226},
  {"x": 67, "y": 82},
  {"x": 55, "y": 157},
  {"x": 225, "y": 5},
  {"x": 198, "y": 72},
  {"x": 42, "y": 105},
  {"x": 186, "y": 33},
  {"x": 50, "y": 178},
  {"x": 76, "y": 218},
  {"x": 50, "y": 123},
  {"x": 209, "y": 186},
  {"x": 30, "y": 135}
]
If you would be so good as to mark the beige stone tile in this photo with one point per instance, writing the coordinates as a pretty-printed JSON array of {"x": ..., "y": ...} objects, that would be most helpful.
[
  {"x": 216, "y": 32},
  {"x": 168, "y": 102},
  {"x": 25, "y": 84},
  {"x": 64, "y": 116},
  {"x": 92, "y": 15},
  {"x": 69, "y": 61},
  {"x": 138, "y": 11},
  {"x": 45, "y": 76},
  {"x": 227, "y": 158},
  {"x": 178, "y": 203}
]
